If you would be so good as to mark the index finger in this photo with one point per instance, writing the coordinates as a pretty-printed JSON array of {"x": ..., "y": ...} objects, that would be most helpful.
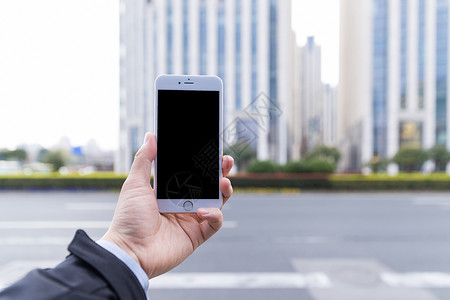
[{"x": 227, "y": 164}]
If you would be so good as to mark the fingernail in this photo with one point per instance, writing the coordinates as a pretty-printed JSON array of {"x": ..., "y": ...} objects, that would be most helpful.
[
  {"x": 203, "y": 211},
  {"x": 147, "y": 137}
]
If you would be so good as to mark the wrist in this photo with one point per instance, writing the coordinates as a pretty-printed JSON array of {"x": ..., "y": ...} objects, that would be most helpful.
[
  {"x": 122, "y": 245},
  {"x": 123, "y": 256}
]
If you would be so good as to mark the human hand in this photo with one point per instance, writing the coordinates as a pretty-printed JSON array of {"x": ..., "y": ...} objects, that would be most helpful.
[{"x": 160, "y": 242}]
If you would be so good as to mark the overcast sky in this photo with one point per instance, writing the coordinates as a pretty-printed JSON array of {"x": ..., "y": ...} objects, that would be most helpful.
[
  {"x": 59, "y": 67},
  {"x": 320, "y": 18}
]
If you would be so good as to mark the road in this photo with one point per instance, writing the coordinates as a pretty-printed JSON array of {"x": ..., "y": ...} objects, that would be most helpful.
[{"x": 309, "y": 246}]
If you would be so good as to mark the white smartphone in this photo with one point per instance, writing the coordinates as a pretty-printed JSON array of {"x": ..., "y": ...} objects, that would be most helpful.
[{"x": 188, "y": 127}]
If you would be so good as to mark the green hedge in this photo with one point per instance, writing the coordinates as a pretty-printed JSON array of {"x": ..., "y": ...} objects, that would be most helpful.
[
  {"x": 403, "y": 181},
  {"x": 313, "y": 184},
  {"x": 325, "y": 182},
  {"x": 315, "y": 165},
  {"x": 437, "y": 182},
  {"x": 310, "y": 165},
  {"x": 97, "y": 181}
]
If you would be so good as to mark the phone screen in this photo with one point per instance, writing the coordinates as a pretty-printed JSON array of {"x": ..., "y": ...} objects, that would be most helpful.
[{"x": 188, "y": 144}]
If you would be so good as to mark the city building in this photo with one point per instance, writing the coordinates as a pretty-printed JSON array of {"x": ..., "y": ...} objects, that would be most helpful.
[
  {"x": 314, "y": 105},
  {"x": 247, "y": 43},
  {"x": 330, "y": 106},
  {"x": 393, "y": 83},
  {"x": 311, "y": 96}
]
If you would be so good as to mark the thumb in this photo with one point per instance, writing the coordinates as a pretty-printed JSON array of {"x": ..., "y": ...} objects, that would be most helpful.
[
  {"x": 142, "y": 164},
  {"x": 212, "y": 220}
]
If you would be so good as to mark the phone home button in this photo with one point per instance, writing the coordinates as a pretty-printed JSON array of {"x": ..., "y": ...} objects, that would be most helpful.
[{"x": 188, "y": 205}]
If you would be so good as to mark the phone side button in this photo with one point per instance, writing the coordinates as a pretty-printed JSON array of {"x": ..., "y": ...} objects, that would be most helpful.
[{"x": 188, "y": 205}]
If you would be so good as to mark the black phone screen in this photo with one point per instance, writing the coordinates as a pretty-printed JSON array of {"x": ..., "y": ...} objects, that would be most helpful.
[{"x": 188, "y": 144}]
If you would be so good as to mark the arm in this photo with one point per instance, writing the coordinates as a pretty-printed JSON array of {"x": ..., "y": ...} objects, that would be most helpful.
[
  {"x": 156, "y": 242},
  {"x": 89, "y": 272}
]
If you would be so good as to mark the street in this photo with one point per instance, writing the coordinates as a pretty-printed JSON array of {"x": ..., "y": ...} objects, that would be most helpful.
[{"x": 309, "y": 246}]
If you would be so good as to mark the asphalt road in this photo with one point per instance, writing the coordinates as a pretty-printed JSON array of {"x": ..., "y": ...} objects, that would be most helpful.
[{"x": 277, "y": 246}]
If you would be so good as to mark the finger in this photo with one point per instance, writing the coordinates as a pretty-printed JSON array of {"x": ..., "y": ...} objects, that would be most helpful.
[
  {"x": 227, "y": 164},
  {"x": 212, "y": 221},
  {"x": 142, "y": 164},
  {"x": 226, "y": 188}
]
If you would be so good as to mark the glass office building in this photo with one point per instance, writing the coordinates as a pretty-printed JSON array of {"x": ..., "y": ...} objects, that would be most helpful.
[
  {"x": 245, "y": 42},
  {"x": 396, "y": 92},
  {"x": 379, "y": 73},
  {"x": 441, "y": 71}
]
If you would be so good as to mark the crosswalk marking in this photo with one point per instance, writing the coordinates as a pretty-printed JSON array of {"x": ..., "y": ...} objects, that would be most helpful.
[
  {"x": 368, "y": 279},
  {"x": 423, "y": 280},
  {"x": 314, "y": 280},
  {"x": 90, "y": 206},
  {"x": 53, "y": 224},
  {"x": 34, "y": 241},
  {"x": 239, "y": 281},
  {"x": 410, "y": 283}
]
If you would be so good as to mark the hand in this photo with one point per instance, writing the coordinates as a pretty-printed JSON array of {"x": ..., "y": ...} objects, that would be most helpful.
[{"x": 160, "y": 242}]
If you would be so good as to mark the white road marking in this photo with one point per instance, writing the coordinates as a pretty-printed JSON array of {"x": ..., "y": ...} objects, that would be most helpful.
[
  {"x": 403, "y": 283},
  {"x": 33, "y": 241},
  {"x": 230, "y": 224},
  {"x": 53, "y": 224},
  {"x": 15, "y": 270},
  {"x": 438, "y": 201},
  {"x": 368, "y": 279},
  {"x": 239, "y": 281},
  {"x": 314, "y": 280},
  {"x": 305, "y": 239},
  {"x": 417, "y": 280},
  {"x": 90, "y": 206},
  {"x": 71, "y": 224}
]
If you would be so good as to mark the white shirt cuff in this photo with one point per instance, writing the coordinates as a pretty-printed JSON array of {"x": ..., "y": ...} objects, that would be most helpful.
[{"x": 126, "y": 259}]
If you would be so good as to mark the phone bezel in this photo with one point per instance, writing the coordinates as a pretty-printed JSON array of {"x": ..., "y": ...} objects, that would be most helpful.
[{"x": 196, "y": 83}]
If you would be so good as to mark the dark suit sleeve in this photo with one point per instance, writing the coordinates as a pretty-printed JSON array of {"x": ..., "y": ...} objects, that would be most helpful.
[{"x": 88, "y": 273}]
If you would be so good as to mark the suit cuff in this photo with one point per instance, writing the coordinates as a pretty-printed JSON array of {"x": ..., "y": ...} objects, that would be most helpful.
[
  {"x": 113, "y": 270},
  {"x": 126, "y": 259}
]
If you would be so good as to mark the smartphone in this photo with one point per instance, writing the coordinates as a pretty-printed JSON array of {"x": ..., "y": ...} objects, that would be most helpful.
[{"x": 188, "y": 127}]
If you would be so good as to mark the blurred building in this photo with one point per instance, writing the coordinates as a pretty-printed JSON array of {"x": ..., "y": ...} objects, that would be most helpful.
[
  {"x": 394, "y": 79},
  {"x": 330, "y": 106},
  {"x": 314, "y": 105},
  {"x": 311, "y": 96},
  {"x": 248, "y": 43}
]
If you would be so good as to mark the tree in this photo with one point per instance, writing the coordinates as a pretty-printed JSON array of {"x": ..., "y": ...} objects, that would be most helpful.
[
  {"x": 18, "y": 154},
  {"x": 42, "y": 154},
  {"x": 320, "y": 165},
  {"x": 410, "y": 159},
  {"x": 264, "y": 166},
  {"x": 324, "y": 152},
  {"x": 56, "y": 158},
  {"x": 440, "y": 155},
  {"x": 378, "y": 164},
  {"x": 313, "y": 165},
  {"x": 242, "y": 154}
]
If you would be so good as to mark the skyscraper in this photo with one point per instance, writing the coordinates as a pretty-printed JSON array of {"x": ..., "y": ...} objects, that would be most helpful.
[
  {"x": 330, "y": 105},
  {"x": 313, "y": 113},
  {"x": 248, "y": 43},
  {"x": 394, "y": 79},
  {"x": 311, "y": 96}
]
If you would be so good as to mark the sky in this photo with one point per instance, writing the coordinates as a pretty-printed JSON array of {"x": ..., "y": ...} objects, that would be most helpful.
[
  {"x": 320, "y": 18},
  {"x": 59, "y": 67},
  {"x": 59, "y": 72}
]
